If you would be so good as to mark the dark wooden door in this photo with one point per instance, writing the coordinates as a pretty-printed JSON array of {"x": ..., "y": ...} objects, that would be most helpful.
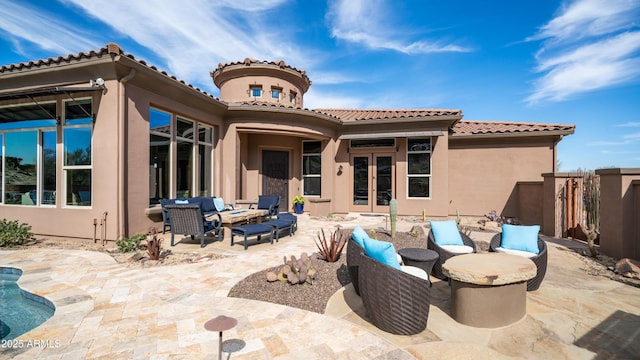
[{"x": 275, "y": 176}]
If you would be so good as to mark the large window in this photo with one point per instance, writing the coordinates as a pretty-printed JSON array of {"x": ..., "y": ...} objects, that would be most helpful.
[
  {"x": 419, "y": 167},
  {"x": 191, "y": 174},
  {"x": 159, "y": 156},
  {"x": 311, "y": 167},
  {"x": 205, "y": 160},
  {"x": 184, "y": 166},
  {"x": 77, "y": 167},
  {"x": 28, "y": 138}
]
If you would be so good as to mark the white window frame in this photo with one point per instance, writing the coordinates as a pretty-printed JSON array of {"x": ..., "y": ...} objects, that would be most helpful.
[
  {"x": 208, "y": 147},
  {"x": 194, "y": 152},
  {"x": 429, "y": 152},
  {"x": 65, "y": 167},
  {"x": 311, "y": 175},
  {"x": 255, "y": 87}
]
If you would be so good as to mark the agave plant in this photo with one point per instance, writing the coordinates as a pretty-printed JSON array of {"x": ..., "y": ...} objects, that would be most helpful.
[{"x": 330, "y": 248}]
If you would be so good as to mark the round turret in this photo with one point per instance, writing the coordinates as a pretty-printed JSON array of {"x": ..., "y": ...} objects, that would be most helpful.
[{"x": 262, "y": 81}]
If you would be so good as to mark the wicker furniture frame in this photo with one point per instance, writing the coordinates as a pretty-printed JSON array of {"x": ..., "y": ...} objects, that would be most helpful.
[
  {"x": 395, "y": 301},
  {"x": 353, "y": 262},
  {"x": 444, "y": 254},
  {"x": 540, "y": 260},
  {"x": 189, "y": 220}
]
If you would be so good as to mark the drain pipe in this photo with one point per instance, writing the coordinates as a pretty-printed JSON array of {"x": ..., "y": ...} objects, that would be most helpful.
[{"x": 121, "y": 215}]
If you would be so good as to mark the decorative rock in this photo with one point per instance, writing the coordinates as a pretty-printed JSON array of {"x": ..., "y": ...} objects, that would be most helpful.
[
  {"x": 628, "y": 267},
  {"x": 136, "y": 257}
]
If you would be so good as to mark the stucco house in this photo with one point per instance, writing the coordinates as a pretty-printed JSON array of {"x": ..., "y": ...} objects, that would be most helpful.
[{"x": 96, "y": 139}]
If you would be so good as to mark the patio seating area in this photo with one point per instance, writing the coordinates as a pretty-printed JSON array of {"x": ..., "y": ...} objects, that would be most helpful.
[{"x": 161, "y": 311}]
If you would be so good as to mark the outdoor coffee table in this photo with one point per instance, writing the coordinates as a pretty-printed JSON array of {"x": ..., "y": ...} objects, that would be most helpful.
[
  {"x": 488, "y": 290},
  {"x": 422, "y": 258},
  {"x": 231, "y": 218}
]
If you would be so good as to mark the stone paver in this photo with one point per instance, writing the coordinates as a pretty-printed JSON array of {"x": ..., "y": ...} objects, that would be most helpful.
[{"x": 105, "y": 310}]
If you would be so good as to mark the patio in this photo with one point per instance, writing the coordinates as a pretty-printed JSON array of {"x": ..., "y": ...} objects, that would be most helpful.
[{"x": 107, "y": 310}]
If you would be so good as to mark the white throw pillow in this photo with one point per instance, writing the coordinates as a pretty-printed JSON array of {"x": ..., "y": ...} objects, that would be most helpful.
[
  {"x": 458, "y": 249},
  {"x": 526, "y": 254},
  {"x": 415, "y": 271}
]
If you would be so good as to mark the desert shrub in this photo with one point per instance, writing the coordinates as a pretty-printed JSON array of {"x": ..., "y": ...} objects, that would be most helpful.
[
  {"x": 153, "y": 244},
  {"x": 493, "y": 216},
  {"x": 331, "y": 248},
  {"x": 131, "y": 243},
  {"x": 13, "y": 233}
]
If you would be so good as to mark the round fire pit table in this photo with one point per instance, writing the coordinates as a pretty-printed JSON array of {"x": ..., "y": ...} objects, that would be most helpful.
[
  {"x": 488, "y": 290},
  {"x": 422, "y": 258}
]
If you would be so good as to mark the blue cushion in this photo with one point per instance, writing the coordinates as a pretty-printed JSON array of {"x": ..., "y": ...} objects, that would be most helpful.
[
  {"x": 381, "y": 251},
  {"x": 181, "y": 202},
  {"x": 518, "y": 237},
  {"x": 446, "y": 232},
  {"x": 207, "y": 204},
  {"x": 218, "y": 203},
  {"x": 358, "y": 235}
]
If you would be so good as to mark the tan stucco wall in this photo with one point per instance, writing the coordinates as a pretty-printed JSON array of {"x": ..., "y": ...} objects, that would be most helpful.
[
  {"x": 619, "y": 212},
  {"x": 483, "y": 173},
  {"x": 237, "y": 90}
]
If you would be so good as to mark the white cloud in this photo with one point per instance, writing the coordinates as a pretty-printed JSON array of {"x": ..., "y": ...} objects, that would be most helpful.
[
  {"x": 23, "y": 22},
  {"x": 192, "y": 37},
  {"x": 586, "y": 18},
  {"x": 589, "y": 46},
  {"x": 633, "y": 136},
  {"x": 629, "y": 124},
  {"x": 366, "y": 22}
]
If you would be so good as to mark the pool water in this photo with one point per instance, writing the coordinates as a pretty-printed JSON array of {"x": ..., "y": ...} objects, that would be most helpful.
[{"x": 20, "y": 310}]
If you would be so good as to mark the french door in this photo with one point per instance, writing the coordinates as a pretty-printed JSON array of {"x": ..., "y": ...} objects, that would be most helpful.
[{"x": 373, "y": 182}]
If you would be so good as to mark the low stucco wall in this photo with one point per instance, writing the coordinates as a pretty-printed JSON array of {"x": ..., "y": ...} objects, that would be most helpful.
[{"x": 619, "y": 212}]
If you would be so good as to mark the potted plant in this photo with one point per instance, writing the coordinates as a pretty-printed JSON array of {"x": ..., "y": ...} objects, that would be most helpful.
[{"x": 298, "y": 203}]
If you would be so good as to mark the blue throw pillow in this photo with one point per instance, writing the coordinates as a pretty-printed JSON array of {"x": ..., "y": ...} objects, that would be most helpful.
[
  {"x": 446, "y": 232},
  {"x": 381, "y": 251},
  {"x": 358, "y": 235},
  {"x": 518, "y": 237},
  {"x": 218, "y": 203},
  {"x": 182, "y": 202}
]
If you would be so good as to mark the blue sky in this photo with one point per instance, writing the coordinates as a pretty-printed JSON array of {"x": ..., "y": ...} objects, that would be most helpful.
[{"x": 552, "y": 61}]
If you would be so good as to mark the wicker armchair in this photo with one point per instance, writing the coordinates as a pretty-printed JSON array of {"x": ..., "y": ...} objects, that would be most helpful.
[
  {"x": 189, "y": 220},
  {"x": 353, "y": 262},
  {"x": 540, "y": 260},
  {"x": 444, "y": 254},
  {"x": 395, "y": 301}
]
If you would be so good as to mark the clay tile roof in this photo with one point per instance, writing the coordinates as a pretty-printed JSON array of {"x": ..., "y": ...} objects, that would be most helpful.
[
  {"x": 472, "y": 127},
  {"x": 250, "y": 61},
  {"x": 264, "y": 104},
  {"x": 378, "y": 114},
  {"x": 111, "y": 49}
]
